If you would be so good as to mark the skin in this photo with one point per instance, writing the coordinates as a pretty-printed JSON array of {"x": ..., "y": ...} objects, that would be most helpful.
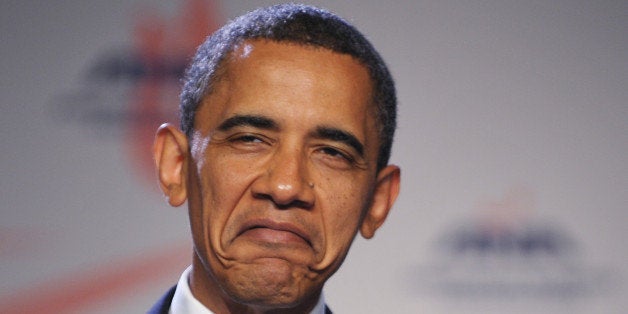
[{"x": 279, "y": 175}]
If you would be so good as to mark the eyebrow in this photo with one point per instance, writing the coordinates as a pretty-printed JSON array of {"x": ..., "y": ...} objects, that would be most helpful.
[
  {"x": 342, "y": 136},
  {"x": 321, "y": 132},
  {"x": 248, "y": 120}
]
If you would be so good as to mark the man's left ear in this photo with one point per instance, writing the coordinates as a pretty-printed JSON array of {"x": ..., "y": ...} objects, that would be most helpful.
[{"x": 384, "y": 196}]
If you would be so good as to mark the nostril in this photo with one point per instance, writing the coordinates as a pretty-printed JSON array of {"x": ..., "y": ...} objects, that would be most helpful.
[
  {"x": 294, "y": 204},
  {"x": 263, "y": 196}
]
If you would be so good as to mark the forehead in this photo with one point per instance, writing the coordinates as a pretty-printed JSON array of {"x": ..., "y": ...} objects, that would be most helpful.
[
  {"x": 263, "y": 56},
  {"x": 292, "y": 83}
]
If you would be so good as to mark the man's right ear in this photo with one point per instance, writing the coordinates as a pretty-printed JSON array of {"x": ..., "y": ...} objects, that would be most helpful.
[{"x": 171, "y": 157}]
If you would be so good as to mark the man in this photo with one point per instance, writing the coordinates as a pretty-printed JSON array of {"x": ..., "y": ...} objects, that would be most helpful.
[{"x": 287, "y": 118}]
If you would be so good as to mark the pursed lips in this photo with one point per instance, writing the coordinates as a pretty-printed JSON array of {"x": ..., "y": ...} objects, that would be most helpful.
[{"x": 267, "y": 230}]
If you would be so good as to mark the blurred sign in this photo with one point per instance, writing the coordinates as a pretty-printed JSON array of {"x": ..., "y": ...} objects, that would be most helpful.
[
  {"x": 506, "y": 252},
  {"x": 129, "y": 92}
]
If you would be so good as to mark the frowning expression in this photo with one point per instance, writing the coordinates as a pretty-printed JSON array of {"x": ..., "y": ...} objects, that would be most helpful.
[{"x": 282, "y": 171}]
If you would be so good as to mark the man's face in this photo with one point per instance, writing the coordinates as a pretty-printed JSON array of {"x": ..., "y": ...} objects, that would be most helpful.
[{"x": 282, "y": 172}]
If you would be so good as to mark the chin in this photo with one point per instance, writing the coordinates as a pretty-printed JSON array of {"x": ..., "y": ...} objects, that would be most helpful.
[{"x": 272, "y": 283}]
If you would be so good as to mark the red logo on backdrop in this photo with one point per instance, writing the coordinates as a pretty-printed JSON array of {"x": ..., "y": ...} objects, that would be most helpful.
[
  {"x": 126, "y": 93},
  {"x": 130, "y": 92}
]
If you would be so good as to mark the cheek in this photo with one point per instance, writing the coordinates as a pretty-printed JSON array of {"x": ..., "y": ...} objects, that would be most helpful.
[
  {"x": 216, "y": 194},
  {"x": 222, "y": 189},
  {"x": 342, "y": 212}
]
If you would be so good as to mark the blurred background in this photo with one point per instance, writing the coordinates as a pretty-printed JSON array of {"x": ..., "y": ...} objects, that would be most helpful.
[{"x": 512, "y": 139}]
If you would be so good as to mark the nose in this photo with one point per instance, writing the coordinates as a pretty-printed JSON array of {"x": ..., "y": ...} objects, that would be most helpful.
[{"x": 286, "y": 180}]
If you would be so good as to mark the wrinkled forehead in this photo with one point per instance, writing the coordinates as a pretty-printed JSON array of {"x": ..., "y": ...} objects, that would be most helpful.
[{"x": 255, "y": 69}]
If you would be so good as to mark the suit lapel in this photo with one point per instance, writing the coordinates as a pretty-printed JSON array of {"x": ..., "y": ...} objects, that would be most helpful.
[
  {"x": 327, "y": 310},
  {"x": 163, "y": 305}
]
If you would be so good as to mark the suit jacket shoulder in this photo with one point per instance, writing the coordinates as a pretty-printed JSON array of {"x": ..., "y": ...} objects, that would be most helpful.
[{"x": 163, "y": 305}]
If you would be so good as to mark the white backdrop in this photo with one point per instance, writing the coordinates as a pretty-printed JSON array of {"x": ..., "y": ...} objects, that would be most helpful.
[{"x": 512, "y": 139}]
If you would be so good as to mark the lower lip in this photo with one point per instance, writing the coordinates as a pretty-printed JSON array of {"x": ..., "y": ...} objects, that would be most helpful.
[{"x": 273, "y": 236}]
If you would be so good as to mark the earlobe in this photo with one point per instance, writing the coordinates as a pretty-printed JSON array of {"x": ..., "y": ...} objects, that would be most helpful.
[
  {"x": 171, "y": 155},
  {"x": 384, "y": 196}
]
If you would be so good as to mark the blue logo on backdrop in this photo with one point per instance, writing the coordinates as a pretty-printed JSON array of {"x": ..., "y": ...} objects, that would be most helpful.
[
  {"x": 127, "y": 93},
  {"x": 504, "y": 252}
]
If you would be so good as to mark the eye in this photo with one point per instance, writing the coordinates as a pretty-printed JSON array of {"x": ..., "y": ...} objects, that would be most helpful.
[
  {"x": 333, "y": 152},
  {"x": 336, "y": 155},
  {"x": 338, "y": 158},
  {"x": 247, "y": 139}
]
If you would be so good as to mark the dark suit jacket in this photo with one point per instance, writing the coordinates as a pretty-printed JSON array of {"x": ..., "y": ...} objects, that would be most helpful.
[{"x": 163, "y": 305}]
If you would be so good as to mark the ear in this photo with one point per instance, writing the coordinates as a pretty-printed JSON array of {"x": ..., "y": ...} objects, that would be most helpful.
[
  {"x": 171, "y": 157},
  {"x": 384, "y": 196}
]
